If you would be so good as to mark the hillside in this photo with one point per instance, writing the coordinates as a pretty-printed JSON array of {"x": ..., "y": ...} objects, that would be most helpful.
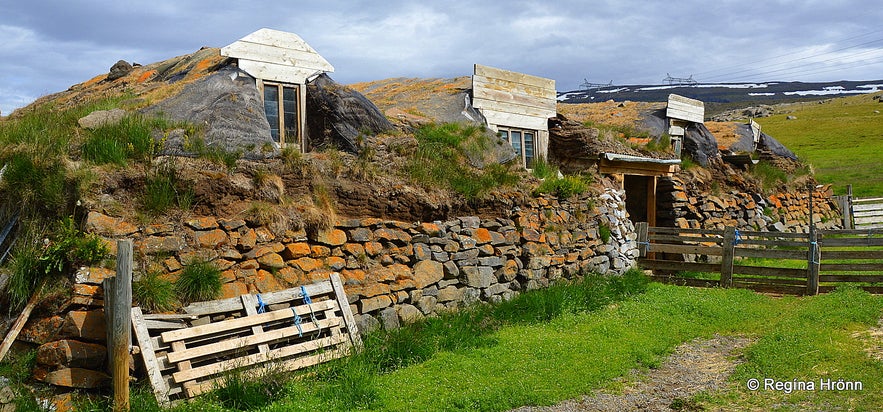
[
  {"x": 722, "y": 96},
  {"x": 842, "y": 138}
]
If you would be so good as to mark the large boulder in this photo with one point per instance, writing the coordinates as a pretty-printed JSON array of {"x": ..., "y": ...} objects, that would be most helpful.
[
  {"x": 337, "y": 115},
  {"x": 119, "y": 69},
  {"x": 228, "y": 106},
  {"x": 700, "y": 144},
  {"x": 766, "y": 144}
]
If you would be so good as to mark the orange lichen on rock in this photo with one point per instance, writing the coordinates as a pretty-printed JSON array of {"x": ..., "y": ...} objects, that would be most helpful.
[{"x": 146, "y": 76}]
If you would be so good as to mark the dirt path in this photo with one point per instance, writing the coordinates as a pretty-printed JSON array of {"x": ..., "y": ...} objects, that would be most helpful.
[{"x": 694, "y": 367}]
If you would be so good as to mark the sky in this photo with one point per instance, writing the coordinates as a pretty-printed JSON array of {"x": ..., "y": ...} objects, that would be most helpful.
[{"x": 46, "y": 46}]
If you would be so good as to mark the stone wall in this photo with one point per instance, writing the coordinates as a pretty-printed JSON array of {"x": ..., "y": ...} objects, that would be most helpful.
[
  {"x": 393, "y": 271},
  {"x": 781, "y": 212}
]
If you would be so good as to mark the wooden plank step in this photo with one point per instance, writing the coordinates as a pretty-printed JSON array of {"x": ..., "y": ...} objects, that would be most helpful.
[
  {"x": 235, "y": 304},
  {"x": 249, "y": 360},
  {"x": 244, "y": 322},
  {"x": 221, "y": 348}
]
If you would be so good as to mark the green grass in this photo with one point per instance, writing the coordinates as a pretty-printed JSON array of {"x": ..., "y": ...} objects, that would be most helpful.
[
  {"x": 441, "y": 160},
  {"x": 154, "y": 293},
  {"x": 841, "y": 138},
  {"x": 561, "y": 343},
  {"x": 199, "y": 281}
]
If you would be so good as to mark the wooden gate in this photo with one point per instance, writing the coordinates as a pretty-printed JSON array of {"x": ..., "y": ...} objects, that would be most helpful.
[
  {"x": 191, "y": 353},
  {"x": 772, "y": 262}
]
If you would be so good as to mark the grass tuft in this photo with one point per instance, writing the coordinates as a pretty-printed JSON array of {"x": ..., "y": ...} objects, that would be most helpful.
[
  {"x": 198, "y": 281},
  {"x": 154, "y": 293}
]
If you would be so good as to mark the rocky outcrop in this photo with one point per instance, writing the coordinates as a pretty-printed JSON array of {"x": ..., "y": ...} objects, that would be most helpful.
[
  {"x": 119, "y": 70},
  {"x": 337, "y": 115},
  {"x": 227, "y": 104}
]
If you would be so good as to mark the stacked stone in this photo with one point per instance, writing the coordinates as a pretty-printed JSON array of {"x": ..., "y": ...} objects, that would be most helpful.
[{"x": 782, "y": 212}]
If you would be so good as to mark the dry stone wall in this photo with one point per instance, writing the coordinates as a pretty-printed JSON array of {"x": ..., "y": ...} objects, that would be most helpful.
[
  {"x": 393, "y": 271},
  {"x": 780, "y": 212}
]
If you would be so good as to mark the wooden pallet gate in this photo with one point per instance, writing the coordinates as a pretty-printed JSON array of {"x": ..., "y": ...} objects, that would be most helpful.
[{"x": 192, "y": 353}]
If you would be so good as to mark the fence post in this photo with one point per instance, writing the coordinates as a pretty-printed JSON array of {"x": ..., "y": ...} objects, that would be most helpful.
[
  {"x": 729, "y": 250},
  {"x": 643, "y": 238},
  {"x": 118, "y": 313},
  {"x": 846, "y": 211},
  {"x": 812, "y": 267}
]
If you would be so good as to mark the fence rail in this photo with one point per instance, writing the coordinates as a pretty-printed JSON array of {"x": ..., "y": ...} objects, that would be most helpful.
[{"x": 787, "y": 263}]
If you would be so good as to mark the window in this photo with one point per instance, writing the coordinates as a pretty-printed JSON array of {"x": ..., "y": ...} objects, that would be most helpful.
[
  {"x": 282, "y": 113},
  {"x": 523, "y": 141}
]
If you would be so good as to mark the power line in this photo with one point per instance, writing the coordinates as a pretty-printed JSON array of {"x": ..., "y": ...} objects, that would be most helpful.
[
  {"x": 786, "y": 54},
  {"x": 794, "y": 60}
]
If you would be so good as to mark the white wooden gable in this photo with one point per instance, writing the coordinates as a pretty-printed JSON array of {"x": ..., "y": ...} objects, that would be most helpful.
[
  {"x": 277, "y": 56},
  {"x": 512, "y": 99},
  {"x": 684, "y": 108}
]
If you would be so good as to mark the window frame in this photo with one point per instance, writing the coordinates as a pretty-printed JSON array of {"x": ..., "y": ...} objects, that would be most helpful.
[
  {"x": 521, "y": 152},
  {"x": 284, "y": 137}
]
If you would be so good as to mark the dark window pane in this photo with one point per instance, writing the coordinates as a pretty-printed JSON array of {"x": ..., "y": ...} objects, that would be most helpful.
[
  {"x": 516, "y": 141},
  {"x": 528, "y": 148},
  {"x": 289, "y": 106},
  {"x": 504, "y": 134},
  {"x": 271, "y": 108}
]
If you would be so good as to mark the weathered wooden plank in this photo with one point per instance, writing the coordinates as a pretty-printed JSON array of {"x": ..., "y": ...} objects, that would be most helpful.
[
  {"x": 771, "y": 253},
  {"x": 683, "y": 108},
  {"x": 641, "y": 229},
  {"x": 163, "y": 324},
  {"x": 726, "y": 269},
  {"x": 515, "y": 77},
  {"x": 287, "y": 365},
  {"x": 678, "y": 266},
  {"x": 675, "y": 230},
  {"x": 774, "y": 243},
  {"x": 277, "y": 38},
  {"x": 169, "y": 316},
  {"x": 148, "y": 357},
  {"x": 768, "y": 271},
  {"x": 284, "y": 56},
  {"x": 244, "y": 322},
  {"x": 687, "y": 249},
  {"x": 773, "y": 235},
  {"x": 684, "y": 239},
  {"x": 271, "y": 298},
  {"x": 257, "y": 358},
  {"x": 852, "y": 278},
  {"x": 342, "y": 302},
  {"x": 635, "y": 168},
  {"x": 851, "y": 267},
  {"x": 231, "y": 345},
  {"x": 512, "y": 108},
  {"x": 867, "y": 207},
  {"x": 771, "y": 281},
  {"x": 519, "y": 93},
  {"x": 867, "y": 219},
  {"x": 499, "y": 118},
  {"x": 870, "y": 241},
  {"x": 277, "y": 72},
  {"x": 249, "y": 303},
  {"x": 858, "y": 232},
  {"x": 852, "y": 254}
]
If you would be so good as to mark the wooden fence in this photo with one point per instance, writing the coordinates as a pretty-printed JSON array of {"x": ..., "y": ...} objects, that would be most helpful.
[
  {"x": 191, "y": 353},
  {"x": 771, "y": 262},
  {"x": 861, "y": 213}
]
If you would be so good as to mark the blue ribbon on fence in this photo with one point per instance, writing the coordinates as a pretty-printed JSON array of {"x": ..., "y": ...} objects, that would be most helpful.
[
  {"x": 297, "y": 322},
  {"x": 645, "y": 244},
  {"x": 737, "y": 239},
  {"x": 306, "y": 296},
  {"x": 261, "y": 306}
]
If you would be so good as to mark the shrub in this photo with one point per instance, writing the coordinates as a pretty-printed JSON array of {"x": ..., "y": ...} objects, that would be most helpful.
[
  {"x": 604, "y": 232},
  {"x": 130, "y": 138},
  {"x": 565, "y": 187},
  {"x": 199, "y": 281},
  {"x": 543, "y": 169},
  {"x": 45, "y": 254},
  {"x": 154, "y": 293}
]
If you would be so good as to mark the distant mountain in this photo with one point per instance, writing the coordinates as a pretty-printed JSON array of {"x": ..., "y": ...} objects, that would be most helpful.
[{"x": 726, "y": 95}]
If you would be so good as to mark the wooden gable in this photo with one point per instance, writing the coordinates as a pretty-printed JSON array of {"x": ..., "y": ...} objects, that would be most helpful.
[
  {"x": 507, "y": 98},
  {"x": 277, "y": 56},
  {"x": 683, "y": 108}
]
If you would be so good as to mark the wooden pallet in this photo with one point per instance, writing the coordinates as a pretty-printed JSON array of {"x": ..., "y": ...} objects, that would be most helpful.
[{"x": 192, "y": 353}]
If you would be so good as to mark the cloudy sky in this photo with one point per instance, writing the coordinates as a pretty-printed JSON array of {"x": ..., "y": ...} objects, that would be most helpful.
[{"x": 48, "y": 45}]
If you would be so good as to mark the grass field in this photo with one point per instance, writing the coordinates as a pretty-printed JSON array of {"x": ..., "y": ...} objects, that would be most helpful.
[
  {"x": 842, "y": 138},
  {"x": 579, "y": 344}
]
